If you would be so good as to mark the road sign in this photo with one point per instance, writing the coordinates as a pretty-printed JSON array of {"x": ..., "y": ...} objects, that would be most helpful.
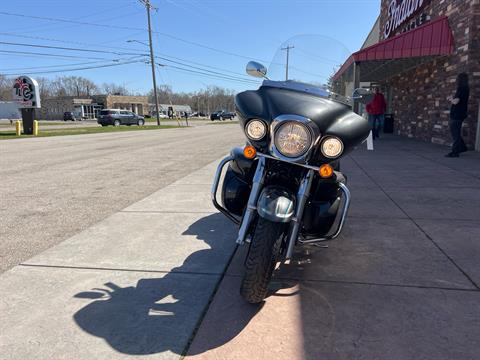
[{"x": 26, "y": 92}]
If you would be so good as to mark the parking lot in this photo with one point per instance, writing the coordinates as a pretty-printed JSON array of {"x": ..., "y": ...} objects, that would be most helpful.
[{"x": 155, "y": 272}]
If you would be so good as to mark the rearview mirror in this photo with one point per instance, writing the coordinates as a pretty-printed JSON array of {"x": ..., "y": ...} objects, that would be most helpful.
[
  {"x": 362, "y": 95},
  {"x": 256, "y": 69}
]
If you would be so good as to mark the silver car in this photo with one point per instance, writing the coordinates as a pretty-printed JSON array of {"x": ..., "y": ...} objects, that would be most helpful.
[{"x": 117, "y": 117}]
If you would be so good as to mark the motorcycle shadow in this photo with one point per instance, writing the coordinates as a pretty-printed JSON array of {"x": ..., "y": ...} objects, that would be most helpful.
[{"x": 159, "y": 314}]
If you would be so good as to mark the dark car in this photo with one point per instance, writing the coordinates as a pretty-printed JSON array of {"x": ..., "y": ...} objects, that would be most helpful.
[
  {"x": 118, "y": 117},
  {"x": 222, "y": 115},
  {"x": 68, "y": 115}
]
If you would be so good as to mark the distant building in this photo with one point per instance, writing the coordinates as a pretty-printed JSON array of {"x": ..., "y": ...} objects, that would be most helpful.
[
  {"x": 9, "y": 110},
  {"x": 88, "y": 107},
  {"x": 179, "y": 110}
]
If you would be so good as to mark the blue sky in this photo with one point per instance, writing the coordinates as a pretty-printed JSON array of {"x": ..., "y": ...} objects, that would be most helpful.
[{"x": 192, "y": 34}]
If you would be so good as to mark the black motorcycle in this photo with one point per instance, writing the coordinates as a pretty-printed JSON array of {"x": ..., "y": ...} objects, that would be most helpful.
[{"x": 285, "y": 188}]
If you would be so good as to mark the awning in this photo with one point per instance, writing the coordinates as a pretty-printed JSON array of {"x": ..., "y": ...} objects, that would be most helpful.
[{"x": 402, "y": 52}]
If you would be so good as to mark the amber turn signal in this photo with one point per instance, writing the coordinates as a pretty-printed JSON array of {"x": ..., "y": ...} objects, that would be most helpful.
[
  {"x": 325, "y": 171},
  {"x": 249, "y": 152}
]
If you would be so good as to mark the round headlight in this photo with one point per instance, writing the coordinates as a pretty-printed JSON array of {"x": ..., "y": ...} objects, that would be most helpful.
[
  {"x": 256, "y": 129},
  {"x": 332, "y": 147},
  {"x": 292, "y": 139}
]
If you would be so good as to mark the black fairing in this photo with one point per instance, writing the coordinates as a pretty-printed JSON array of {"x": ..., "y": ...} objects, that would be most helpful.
[{"x": 331, "y": 117}]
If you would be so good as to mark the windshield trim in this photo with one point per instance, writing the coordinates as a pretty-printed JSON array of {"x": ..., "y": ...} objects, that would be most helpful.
[{"x": 309, "y": 89}]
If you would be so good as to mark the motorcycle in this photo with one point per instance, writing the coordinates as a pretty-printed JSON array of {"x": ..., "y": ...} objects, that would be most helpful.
[{"x": 284, "y": 188}]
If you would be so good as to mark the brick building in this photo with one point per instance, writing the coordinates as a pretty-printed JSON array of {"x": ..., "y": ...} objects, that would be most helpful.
[
  {"x": 88, "y": 107},
  {"x": 423, "y": 46}
]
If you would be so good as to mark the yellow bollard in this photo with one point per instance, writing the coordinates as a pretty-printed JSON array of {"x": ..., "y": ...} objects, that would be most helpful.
[
  {"x": 18, "y": 127},
  {"x": 35, "y": 127}
]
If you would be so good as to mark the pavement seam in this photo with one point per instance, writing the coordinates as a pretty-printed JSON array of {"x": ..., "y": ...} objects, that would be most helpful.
[
  {"x": 207, "y": 306},
  {"x": 346, "y": 282},
  {"x": 119, "y": 269},
  {"x": 418, "y": 226}
]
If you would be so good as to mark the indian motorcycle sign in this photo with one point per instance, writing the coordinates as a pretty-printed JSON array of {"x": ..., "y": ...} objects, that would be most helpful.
[
  {"x": 398, "y": 12},
  {"x": 26, "y": 92}
]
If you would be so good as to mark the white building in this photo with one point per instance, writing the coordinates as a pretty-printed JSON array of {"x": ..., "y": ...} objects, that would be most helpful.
[{"x": 9, "y": 110}]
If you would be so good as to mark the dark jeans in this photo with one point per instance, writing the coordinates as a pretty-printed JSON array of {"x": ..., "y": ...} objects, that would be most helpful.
[
  {"x": 376, "y": 122},
  {"x": 458, "y": 144}
]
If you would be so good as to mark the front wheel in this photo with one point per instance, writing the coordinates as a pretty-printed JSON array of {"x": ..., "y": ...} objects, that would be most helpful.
[
  {"x": 141, "y": 122},
  {"x": 116, "y": 123},
  {"x": 261, "y": 260}
]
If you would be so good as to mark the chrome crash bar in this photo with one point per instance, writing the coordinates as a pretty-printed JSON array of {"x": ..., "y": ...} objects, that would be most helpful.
[
  {"x": 214, "y": 190},
  {"x": 302, "y": 197},
  {"x": 257, "y": 183}
]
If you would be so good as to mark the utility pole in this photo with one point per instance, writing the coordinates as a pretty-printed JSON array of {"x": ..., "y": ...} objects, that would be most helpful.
[
  {"x": 148, "y": 6},
  {"x": 287, "y": 48}
]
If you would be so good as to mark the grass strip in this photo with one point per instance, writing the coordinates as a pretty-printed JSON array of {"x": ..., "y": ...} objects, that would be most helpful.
[{"x": 7, "y": 135}]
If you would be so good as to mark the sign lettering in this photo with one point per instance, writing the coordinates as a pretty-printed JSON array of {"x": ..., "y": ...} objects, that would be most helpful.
[{"x": 398, "y": 13}]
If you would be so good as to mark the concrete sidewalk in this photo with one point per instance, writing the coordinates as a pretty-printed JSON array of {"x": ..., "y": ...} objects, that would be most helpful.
[
  {"x": 400, "y": 283},
  {"x": 137, "y": 283}
]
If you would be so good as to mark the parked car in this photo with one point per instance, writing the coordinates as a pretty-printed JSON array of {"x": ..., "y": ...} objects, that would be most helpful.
[
  {"x": 222, "y": 115},
  {"x": 68, "y": 115},
  {"x": 118, "y": 117}
]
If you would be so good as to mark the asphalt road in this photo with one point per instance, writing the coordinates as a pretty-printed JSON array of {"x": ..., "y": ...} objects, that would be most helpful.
[{"x": 52, "y": 188}]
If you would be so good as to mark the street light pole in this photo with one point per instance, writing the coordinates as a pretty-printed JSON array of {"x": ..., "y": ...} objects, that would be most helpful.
[{"x": 148, "y": 6}]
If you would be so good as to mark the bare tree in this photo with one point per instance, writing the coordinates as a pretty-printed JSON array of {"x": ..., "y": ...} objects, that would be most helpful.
[
  {"x": 114, "y": 89},
  {"x": 5, "y": 88}
]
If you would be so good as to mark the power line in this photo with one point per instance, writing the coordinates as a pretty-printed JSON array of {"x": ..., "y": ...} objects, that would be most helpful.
[
  {"x": 82, "y": 68},
  {"x": 222, "y": 73},
  {"x": 135, "y": 29},
  {"x": 211, "y": 75},
  {"x": 52, "y": 55},
  {"x": 67, "y": 48},
  {"x": 203, "y": 69},
  {"x": 55, "y": 66}
]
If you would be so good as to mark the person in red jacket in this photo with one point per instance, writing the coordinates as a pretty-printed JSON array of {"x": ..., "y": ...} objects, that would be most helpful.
[{"x": 376, "y": 112}]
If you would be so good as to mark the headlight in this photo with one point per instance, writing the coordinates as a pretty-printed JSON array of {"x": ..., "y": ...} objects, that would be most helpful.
[
  {"x": 256, "y": 129},
  {"x": 292, "y": 139},
  {"x": 332, "y": 147}
]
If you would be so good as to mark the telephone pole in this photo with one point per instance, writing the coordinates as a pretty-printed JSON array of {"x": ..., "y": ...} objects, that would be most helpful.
[
  {"x": 149, "y": 6},
  {"x": 287, "y": 48}
]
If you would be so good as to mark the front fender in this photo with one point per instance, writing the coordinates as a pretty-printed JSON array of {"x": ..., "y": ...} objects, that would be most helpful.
[{"x": 276, "y": 204}]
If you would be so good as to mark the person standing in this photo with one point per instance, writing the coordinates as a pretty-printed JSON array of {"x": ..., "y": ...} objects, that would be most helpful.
[
  {"x": 458, "y": 113},
  {"x": 376, "y": 112}
]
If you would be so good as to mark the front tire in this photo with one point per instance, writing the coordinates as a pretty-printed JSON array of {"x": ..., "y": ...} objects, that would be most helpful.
[
  {"x": 261, "y": 260},
  {"x": 116, "y": 123},
  {"x": 140, "y": 122}
]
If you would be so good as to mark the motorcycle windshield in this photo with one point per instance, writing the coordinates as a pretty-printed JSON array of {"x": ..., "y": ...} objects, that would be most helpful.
[{"x": 311, "y": 59}]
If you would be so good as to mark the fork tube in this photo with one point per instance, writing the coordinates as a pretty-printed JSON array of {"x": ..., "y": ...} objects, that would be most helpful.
[
  {"x": 257, "y": 183},
  {"x": 302, "y": 196}
]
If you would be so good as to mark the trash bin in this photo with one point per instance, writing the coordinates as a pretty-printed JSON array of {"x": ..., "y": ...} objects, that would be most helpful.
[{"x": 388, "y": 124}]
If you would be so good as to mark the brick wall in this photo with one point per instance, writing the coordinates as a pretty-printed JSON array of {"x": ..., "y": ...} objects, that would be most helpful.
[{"x": 419, "y": 96}]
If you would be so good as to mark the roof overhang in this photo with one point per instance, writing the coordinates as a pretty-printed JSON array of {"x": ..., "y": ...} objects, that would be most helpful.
[{"x": 402, "y": 52}]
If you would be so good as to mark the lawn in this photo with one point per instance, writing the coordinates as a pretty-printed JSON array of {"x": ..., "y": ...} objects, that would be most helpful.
[{"x": 5, "y": 135}]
